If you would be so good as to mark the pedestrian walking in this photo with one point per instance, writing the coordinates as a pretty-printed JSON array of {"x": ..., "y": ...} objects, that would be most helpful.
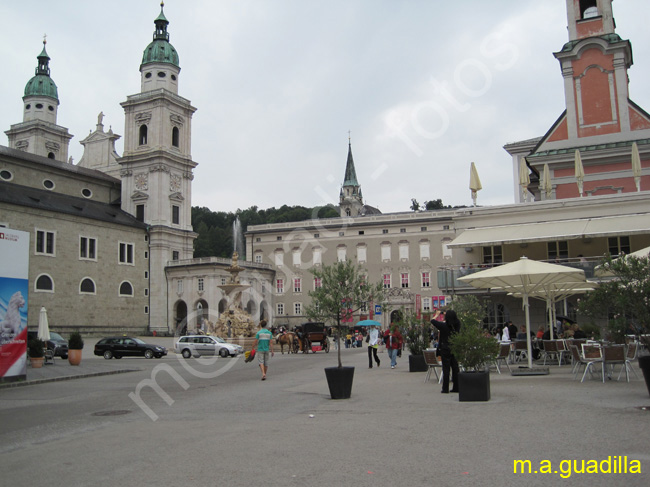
[
  {"x": 373, "y": 345},
  {"x": 393, "y": 340},
  {"x": 264, "y": 345}
]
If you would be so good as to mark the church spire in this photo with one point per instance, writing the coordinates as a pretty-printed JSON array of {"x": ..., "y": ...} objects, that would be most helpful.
[{"x": 350, "y": 178}]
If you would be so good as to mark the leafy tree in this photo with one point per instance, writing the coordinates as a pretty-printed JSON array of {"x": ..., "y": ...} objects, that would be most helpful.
[
  {"x": 435, "y": 205},
  {"x": 472, "y": 346},
  {"x": 344, "y": 290},
  {"x": 415, "y": 206},
  {"x": 625, "y": 299}
]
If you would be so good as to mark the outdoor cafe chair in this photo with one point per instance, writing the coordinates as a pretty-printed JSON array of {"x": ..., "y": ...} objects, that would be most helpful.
[
  {"x": 578, "y": 361},
  {"x": 551, "y": 347},
  {"x": 521, "y": 350},
  {"x": 432, "y": 363},
  {"x": 630, "y": 356},
  {"x": 612, "y": 356},
  {"x": 504, "y": 354},
  {"x": 592, "y": 355}
]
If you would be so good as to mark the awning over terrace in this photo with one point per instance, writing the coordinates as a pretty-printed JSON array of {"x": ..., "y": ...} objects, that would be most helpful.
[{"x": 556, "y": 230}]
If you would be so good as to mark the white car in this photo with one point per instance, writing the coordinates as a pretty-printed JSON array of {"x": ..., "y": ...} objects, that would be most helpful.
[{"x": 197, "y": 345}]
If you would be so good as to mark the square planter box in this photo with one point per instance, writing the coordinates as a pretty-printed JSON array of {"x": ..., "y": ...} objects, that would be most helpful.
[{"x": 474, "y": 386}]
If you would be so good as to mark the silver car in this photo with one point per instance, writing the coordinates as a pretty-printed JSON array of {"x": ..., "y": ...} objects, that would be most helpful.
[{"x": 197, "y": 345}]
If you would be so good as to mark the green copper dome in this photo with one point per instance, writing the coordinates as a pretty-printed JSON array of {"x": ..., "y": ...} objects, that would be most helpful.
[
  {"x": 42, "y": 84},
  {"x": 160, "y": 50}
]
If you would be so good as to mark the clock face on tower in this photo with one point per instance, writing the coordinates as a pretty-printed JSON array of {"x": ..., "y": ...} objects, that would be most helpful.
[
  {"x": 141, "y": 181},
  {"x": 174, "y": 183}
]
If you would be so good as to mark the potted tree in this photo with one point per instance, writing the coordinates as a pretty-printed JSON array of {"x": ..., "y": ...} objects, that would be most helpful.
[
  {"x": 75, "y": 347},
  {"x": 417, "y": 339},
  {"x": 474, "y": 349},
  {"x": 343, "y": 291},
  {"x": 36, "y": 352},
  {"x": 624, "y": 296}
]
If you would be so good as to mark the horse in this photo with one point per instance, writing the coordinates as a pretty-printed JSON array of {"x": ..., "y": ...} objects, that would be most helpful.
[{"x": 289, "y": 339}]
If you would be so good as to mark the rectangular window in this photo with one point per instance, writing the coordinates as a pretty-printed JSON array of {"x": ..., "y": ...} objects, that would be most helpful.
[
  {"x": 45, "y": 242},
  {"x": 258, "y": 258},
  {"x": 279, "y": 258},
  {"x": 146, "y": 310},
  {"x": 492, "y": 255},
  {"x": 179, "y": 286},
  {"x": 385, "y": 253},
  {"x": 423, "y": 229},
  {"x": 402, "y": 230},
  {"x": 224, "y": 281},
  {"x": 175, "y": 255},
  {"x": 297, "y": 309},
  {"x": 361, "y": 232},
  {"x": 618, "y": 245},
  {"x": 364, "y": 308},
  {"x": 361, "y": 254},
  {"x": 139, "y": 213},
  {"x": 278, "y": 238},
  {"x": 317, "y": 235},
  {"x": 280, "y": 309},
  {"x": 386, "y": 279},
  {"x": 200, "y": 284},
  {"x": 279, "y": 286},
  {"x": 557, "y": 250},
  {"x": 404, "y": 252},
  {"x": 296, "y": 258},
  {"x": 87, "y": 248},
  {"x": 258, "y": 239},
  {"x": 176, "y": 214},
  {"x": 404, "y": 279},
  {"x": 126, "y": 253},
  {"x": 146, "y": 274},
  {"x": 424, "y": 250},
  {"x": 426, "y": 305},
  {"x": 384, "y": 231},
  {"x": 341, "y": 254},
  {"x": 316, "y": 256},
  {"x": 297, "y": 285},
  {"x": 426, "y": 279},
  {"x": 318, "y": 283},
  {"x": 146, "y": 291}
]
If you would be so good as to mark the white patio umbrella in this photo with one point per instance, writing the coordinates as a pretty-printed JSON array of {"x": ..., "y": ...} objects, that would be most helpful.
[
  {"x": 524, "y": 178},
  {"x": 43, "y": 326},
  {"x": 548, "y": 186},
  {"x": 579, "y": 171},
  {"x": 526, "y": 277},
  {"x": 636, "y": 166},
  {"x": 474, "y": 182},
  {"x": 558, "y": 291}
]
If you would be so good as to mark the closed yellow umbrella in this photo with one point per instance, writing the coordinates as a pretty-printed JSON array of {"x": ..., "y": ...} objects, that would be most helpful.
[
  {"x": 636, "y": 166},
  {"x": 524, "y": 178},
  {"x": 474, "y": 182},
  {"x": 580, "y": 172},
  {"x": 548, "y": 186}
]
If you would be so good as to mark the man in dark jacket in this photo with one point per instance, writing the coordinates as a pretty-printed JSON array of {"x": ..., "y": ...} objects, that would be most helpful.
[{"x": 446, "y": 329}]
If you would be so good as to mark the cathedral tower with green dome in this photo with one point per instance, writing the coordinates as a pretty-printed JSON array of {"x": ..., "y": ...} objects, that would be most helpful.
[
  {"x": 157, "y": 167},
  {"x": 39, "y": 133}
]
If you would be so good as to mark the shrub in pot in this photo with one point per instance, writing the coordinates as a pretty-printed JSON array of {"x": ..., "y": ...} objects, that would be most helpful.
[
  {"x": 75, "y": 347},
  {"x": 474, "y": 349},
  {"x": 36, "y": 352},
  {"x": 417, "y": 338}
]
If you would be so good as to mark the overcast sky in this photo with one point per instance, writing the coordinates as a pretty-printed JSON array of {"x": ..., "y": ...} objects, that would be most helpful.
[{"x": 425, "y": 87}]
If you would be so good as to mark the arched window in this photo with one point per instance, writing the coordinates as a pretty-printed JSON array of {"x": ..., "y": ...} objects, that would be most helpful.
[
  {"x": 175, "y": 137},
  {"x": 588, "y": 9},
  {"x": 87, "y": 286},
  {"x": 50, "y": 155},
  {"x": 143, "y": 135},
  {"x": 126, "y": 289},
  {"x": 44, "y": 283}
]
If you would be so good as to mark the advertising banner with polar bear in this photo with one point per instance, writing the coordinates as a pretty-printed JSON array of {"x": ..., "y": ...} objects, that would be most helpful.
[{"x": 14, "y": 291}]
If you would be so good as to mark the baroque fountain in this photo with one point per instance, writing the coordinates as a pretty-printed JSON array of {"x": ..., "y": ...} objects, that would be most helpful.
[{"x": 235, "y": 321}]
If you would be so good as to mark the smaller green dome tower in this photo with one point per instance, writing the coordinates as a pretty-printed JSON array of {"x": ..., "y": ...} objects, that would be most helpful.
[
  {"x": 160, "y": 50},
  {"x": 41, "y": 84}
]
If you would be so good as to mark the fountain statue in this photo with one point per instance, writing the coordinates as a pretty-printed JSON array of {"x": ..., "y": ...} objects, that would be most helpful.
[{"x": 235, "y": 321}]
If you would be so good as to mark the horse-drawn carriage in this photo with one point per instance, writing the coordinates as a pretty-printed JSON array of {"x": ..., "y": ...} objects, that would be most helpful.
[{"x": 314, "y": 337}]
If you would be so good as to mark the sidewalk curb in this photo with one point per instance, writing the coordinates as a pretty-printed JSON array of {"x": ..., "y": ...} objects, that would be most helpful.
[{"x": 8, "y": 385}]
